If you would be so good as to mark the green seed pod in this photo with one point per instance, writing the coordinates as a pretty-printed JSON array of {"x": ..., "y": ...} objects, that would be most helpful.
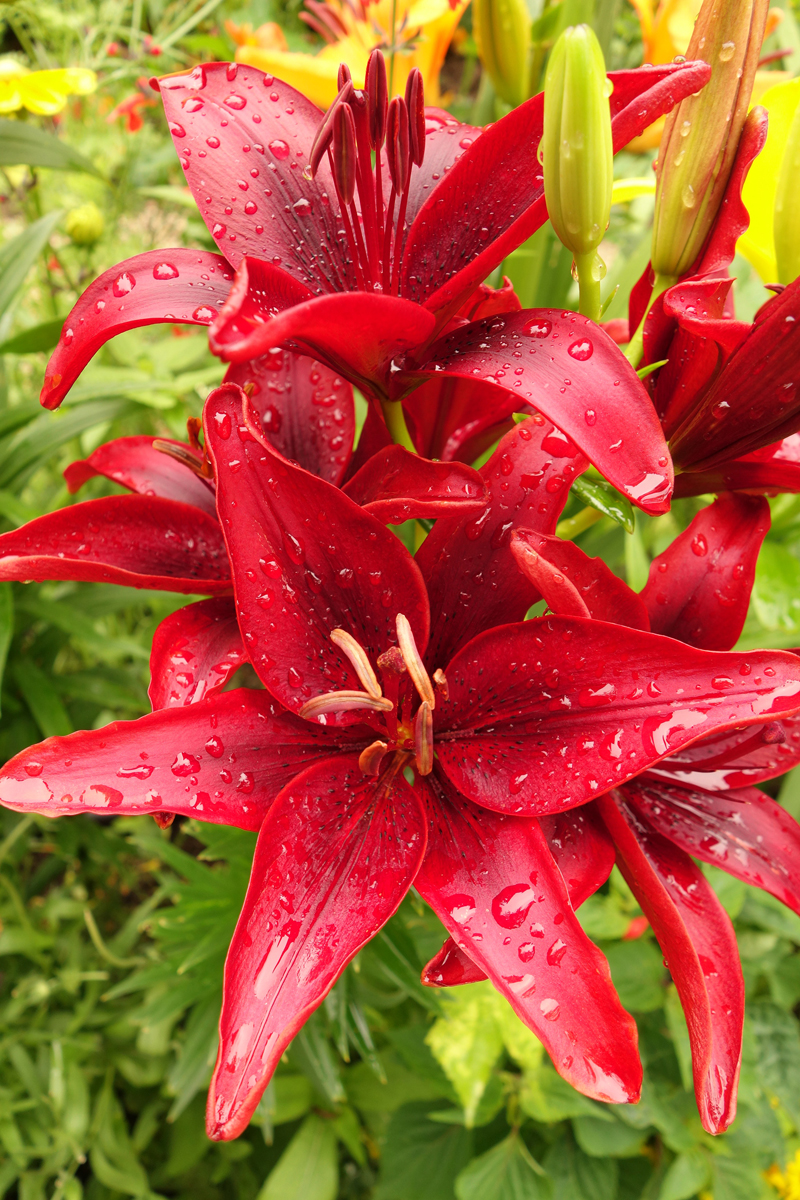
[
  {"x": 576, "y": 143},
  {"x": 787, "y": 210},
  {"x": 502, "y": 30},
  {"x": 85, "y": 225},
  {"x": 702, "y": 133}
]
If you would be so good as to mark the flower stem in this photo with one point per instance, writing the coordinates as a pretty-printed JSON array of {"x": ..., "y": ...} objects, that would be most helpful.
[
  {"x": 590, "y": 303},
  {"x": 572, "y": 526},
  {"x": 635, "y": 348},
  {"x": 395, "y": 420}
]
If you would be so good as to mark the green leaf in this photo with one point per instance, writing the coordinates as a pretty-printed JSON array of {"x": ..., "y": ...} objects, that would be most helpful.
[
  {"x": 6, "y": 623},
  {"x": 39, "y": 337},
  {"x": 737, "y": 1178},
  {"x": 575, "y": 1176},
  {"x": 369, "y": 1095},
  {"x": 548, "y": 1098},
  {"x": 47, "y": 710},
  {"x": 506, "y": 1172},
  {"x": 421, "y": 1158},
  {"x": 606, "y": 499},
  {"x": 604, "y": 1139},
  {"x": 18, "y": 255},
  {"x": 638, "y": 972},
  {"x": 24, "y": 145},
  {"x": 293, "y": 1095},
  {"x": 467, "y": 1042},
  {"x": 776, "y": 591},
  {"x": 686, "y": 1176},
  {"x": 776, "y": 1034},
  {"x": 312, "y": 1053},
  {"x": 603, "y": 917},
  {"x": 32, "y": 446},
  {"x": 676, "y": 1022},
  {"x": 309, "y": 1166}
]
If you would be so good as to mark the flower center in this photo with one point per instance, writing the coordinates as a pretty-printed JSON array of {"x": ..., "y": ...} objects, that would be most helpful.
[
  {"x": 409, "y": 733},
  {"x": 358, "y": 124}
]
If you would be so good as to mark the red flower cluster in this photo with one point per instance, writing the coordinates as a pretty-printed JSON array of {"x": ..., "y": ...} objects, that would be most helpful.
[{"x": 413, "y": 727}]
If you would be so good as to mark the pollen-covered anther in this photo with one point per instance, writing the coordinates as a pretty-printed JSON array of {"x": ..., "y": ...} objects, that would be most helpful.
[
  {"x": 200, "y": 466},
  {"x": 440, "y": 679},
  {"x": 344, "y": 701},
  {"x": 423, "y": 738},
  {"x": 358, "y": 657},
  {"x": 370, "y": 760},
  {"x": 414, "y": 664}
]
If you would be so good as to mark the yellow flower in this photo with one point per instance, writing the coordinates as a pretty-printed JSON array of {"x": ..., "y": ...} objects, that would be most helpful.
[
  {"x": 786, "y": 1183},
  {"x": 424, "y": 30},
  {"x": 758, "y": 243},
  {"x": 43, "y": 92}
]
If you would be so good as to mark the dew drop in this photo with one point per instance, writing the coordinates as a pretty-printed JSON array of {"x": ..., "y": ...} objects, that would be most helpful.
[
  {"x": 726, "y": 51},
  {"x": 235, "y": 102},
  {"x": 510, "y": 907},
  {"x": 590, "y": 416},
  {"x": 176, "y": 130},
  {"x": 203, "y": 314},
  {"x": 212, "y": 142},
  {"x": 538, "y": 329},
  {"x": 165, "y": 270},
  {"x": 219, "y": 230},
  {"x": 581, "y": 350},
  {"x": 222, "y": 425},
  {"x": 124, "y": 284},
  {"x": 250, "y": 208},
  {"x": 294, "y": 547},
  {"x": 33, "y": 768},
  {"x": 294, "y": 677},
  {"x": 699, "y": 546},
  {"x": 215, "y": 747},
  {"x": 99, "y": 306},
  {"x": 279, "y": 149}
]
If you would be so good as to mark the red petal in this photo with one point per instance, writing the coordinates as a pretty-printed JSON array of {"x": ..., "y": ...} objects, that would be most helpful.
[
  {"x": 395, "y": 486},
  {"x": 137, "y": 465},
  {"x": 578, "y": 378},
  {"x": 743, "y": 832},
  {"x": 450, "y": 967},
  {"x": 500, "y": 172},
  {"x": 494, "y": 885},
  {"x": 471, "y": 583},
  {"x": 738, "y": 759},
  {"x": 223, "y": 760},
  {"x": 306, "y": 560},
  {"x": 733, "y": 218},
  {"x": 697, "y": 938},
  {"x": 139, "y": 541},
  {"x": 244, "y": 155},
  {"x": 454, "y": 418},
  {"x": 771, "y": 470},
  {"x": 306, "y": 410},
  {"x": 334, "y": 859},
  {"x": 698, "y": 590},
  {"x": 182, "y": 286},
  {"x": 355, "y": 333},
  {"x": 446, "y": 139},
  {"x": 573, "y": 584},
  {"x": 196, "y": 650},
  {"x": 260, "y": 291},
  {"x": 548, "y": 714}
]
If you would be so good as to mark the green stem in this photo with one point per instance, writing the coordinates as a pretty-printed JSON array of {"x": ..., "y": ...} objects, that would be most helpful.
[
  {"x": 396, "y": 424},
  {"x": 635, "y": 348},
  {"x": 394, "y": 48},
  {"x": 589, "y": 285},
  {"x": 572, "y": 526}
]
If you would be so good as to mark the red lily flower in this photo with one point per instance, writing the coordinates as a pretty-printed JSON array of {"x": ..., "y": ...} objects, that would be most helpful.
[
  {"x": 693, "y": 802},
  {"x": 727, "y": 396},
  {"x": 364, "y": 269},
  {"x": 370, "y": 773}
]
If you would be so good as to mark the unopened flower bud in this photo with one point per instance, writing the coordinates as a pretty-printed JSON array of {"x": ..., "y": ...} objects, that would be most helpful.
[
  {"x": 85, "y": 225},
  {"x": 702, "y": 133},
  {"x": 787, "y": 210},
  {"x": 576, "y": 143},
  {"x": 502, "y": 30}
]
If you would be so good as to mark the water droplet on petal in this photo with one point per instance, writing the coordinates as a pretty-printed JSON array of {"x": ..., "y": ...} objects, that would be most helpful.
[
  {"x": 538, "y": 328},
  {"x": 204, "y": 314},
  {"x": 699, "y": 546},
  {"x": 235, "y": 102},
  {"x": 510, "y": 907},
  {"x": 124, "y": 284},
  {"x": 581, "y": 350},
  {"x": 165, "y": 270},
  {"x": 212, "y": 142},
  {"x": 279, "y": 149}
]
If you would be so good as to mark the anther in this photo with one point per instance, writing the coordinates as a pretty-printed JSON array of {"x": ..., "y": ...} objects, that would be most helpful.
[
  {"x": 200, "y": 466},
  {"x": 345, "y": 701},
  {"x": 440, "y": 679},
  {"x": 392, "y": 660},
  {"x": 344, "y": 153},
  {"x": 397, "y": 144},
  {"x": 377, "y": 98},
  {"x": 414, "y": 664},
  {"x": 324, "y": 135},
  {"x": 415, "y": 103},
  {"x": 370, "y": 760},
  {"x": 358, "y": 657},
  {"x": 423, "y": 738}
]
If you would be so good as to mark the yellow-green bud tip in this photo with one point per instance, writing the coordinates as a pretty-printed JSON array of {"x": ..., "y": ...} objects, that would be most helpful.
[
  {"x": 576, "y": 148},
  {"x": 85, "y": 225}
]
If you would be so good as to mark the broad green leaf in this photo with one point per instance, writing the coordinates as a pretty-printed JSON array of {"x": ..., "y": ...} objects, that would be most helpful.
[
  {"x": 506, "y": 1172},
  {"x": 293, "y": 1096},
  {"x": 421, "y": 1158},
  {"x": 603, "y": 917},
  {"x": 18, "y": 255},
  {"x": 31, "y": 447},
  {"x": 638, "y": 972},
  {"x": 776, "y": 591},
  {"x": 548, "y": 1098},
  {"x": 606, "y": 499},
  {"x": 47, "y": 710},
  {"x": 686, "y": 1176},
  {"x": 575, "y": 1176},
  {"x": 369, "y": 1095},
  {"x": 604, "y": 1139},
  {"x": 6, "y": 623},
  {"x": 348, "y": 1131},
  {"x": 467, "y": 1042},
  {"x": 737, "y": 1178},
  {"x": 778, "y": 1040},
  {"x": 40, "y": 337},
  {"x": 23, "y": 144},
  {"x": 540, "y": 270},
  {"x": 309, "y": 1166}
]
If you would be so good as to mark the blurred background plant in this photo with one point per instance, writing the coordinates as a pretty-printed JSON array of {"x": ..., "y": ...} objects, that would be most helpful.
[{"x": 113, "y": 932}]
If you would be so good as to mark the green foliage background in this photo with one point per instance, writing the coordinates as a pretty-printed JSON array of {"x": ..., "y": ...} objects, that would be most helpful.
[{"x": 113, "y": 933}]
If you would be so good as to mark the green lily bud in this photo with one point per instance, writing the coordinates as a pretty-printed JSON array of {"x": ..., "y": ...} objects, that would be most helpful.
[
  {"x": 786, "y": 222},
  {"x": 701, "y": 135},
  {"x": 577, "y": 153},
  {"x": 502, "y": 30},
  {"x": 85, "y": 225}
]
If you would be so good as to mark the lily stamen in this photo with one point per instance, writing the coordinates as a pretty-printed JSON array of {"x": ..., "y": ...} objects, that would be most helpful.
[
  {"x": 370, "y": 760},
  {"x": 344, "y": 701},
  {"x": 414, "y": 664},
  {"x": 423, "y": 739},
  {"x": 358, "y": 657}
]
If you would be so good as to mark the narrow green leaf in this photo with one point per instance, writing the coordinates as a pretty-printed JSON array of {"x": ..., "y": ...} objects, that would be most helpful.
[
  {"x": 19, "y": 254},
  {"x": 47, "y": 710},
  {"x": 6, "y": 623},
  {"x": 24, "y": 145},
  {"x": 606, "y": 499},
  {"x": 32, "y": 446},
  {"x": 39, "y": 337},
  {"x": 308, "y": 1167}
]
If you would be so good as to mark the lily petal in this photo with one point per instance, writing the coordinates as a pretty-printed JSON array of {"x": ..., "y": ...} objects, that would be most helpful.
[
  {"x": 395, "y": 486},
  {"x": 223, "y": 760},
  {"x": 136, "y": 464},
  {"x": 196, "y": 650},
  {"x": 774, "y": 469},
  {"x": 573, "y": 584},
  {"x": 138, "y": 541},
  {"x": 453, "y": 418},
  {"x": 545, "y": 715},
  {"x": 576, "y": 376},
  {"x": 180, "y": 286},
  {"x": 471, "y": 583},
  {"x": 697, "y": 938},
  {"x": 494, "y": 885},
  {"x": 744, "y": 832},
  {"x": 737, "y": 757},
  {"x": 306, "y": 410},
  {"x": 306, "y": 560},
  {"x": 698, "y": 590},
  {"x": 335, "y": 856}
]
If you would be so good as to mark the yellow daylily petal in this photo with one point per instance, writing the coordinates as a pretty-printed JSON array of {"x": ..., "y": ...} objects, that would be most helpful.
[
  {"x": 10, "y": 96},
  {"x": 311, "y": 74},
  {"x": 623, "y": 190},
  {"x": 758, "y": 243},
  {"x": 42, "y": 92}
]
